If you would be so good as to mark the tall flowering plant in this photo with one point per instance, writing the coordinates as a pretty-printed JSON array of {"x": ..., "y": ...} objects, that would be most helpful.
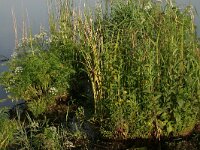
[{"x": 36, "y": 74}]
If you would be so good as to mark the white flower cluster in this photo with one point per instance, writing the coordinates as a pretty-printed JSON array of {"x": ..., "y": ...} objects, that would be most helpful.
[
  {"x": 34, "y": 124},
  {"x": 49, "y": 40},
  {"x": 43, "y": 39},
  {"x": 53, "y": 129},
  {"x": 148, "y": 6},
  {"x": 14, "y": 55},
  {"x": 12, "y": 80},
  {"x": 18, "y": 70},
  {"x": 7, "y": 89},
  {"x": 41, "y": 35},
  {"x": 53, "y": 91},
  {"x": 69, "y": 144}
]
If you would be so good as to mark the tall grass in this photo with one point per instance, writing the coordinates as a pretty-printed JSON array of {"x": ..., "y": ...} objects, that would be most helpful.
[
  {"x": 7, "y": 129},
  {"x": 144, "y": 70}
]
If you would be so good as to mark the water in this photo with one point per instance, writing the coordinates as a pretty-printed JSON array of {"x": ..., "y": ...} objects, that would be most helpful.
[{"x": 36, "y": 14}]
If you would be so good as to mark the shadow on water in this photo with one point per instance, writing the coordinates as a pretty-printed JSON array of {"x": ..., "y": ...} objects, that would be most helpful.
[{"x": 3, "y": 58}]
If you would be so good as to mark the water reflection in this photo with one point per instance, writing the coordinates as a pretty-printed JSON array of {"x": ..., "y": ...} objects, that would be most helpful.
[{"x": 35, "y": 11}]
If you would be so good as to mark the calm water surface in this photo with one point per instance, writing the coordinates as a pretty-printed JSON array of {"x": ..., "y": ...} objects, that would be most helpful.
[{"x": 37, "y": 14}]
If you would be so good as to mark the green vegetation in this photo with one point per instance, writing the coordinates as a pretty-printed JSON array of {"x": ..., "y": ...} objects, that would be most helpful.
[
  {"x": 149, "y": 71},
  {"x": 36, "y": 75},
  {"x": 7, "y": 129},
  {"x": 139, "y": 64},
  {"x": 36, "y": 134}
]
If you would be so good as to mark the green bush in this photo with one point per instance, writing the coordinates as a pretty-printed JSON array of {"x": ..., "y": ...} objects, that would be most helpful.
[
  {"x": 37, "y": 76},
  {"x": 143, "y": 64}
]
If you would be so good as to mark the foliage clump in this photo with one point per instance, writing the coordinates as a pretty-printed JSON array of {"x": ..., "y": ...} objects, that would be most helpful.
[
  {"x": 7, "y": 129},
  {"x": 37, "y": 75},
  {"x": 143, "y": 65}
]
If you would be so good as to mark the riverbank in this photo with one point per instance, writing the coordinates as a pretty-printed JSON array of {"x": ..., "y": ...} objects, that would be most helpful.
[
  {"x": 129, "y": 78},
  {"x": 85, "y": 134}
]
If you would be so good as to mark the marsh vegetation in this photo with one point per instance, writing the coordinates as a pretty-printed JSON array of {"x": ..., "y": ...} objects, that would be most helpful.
[{"x": 120, "y": 76}]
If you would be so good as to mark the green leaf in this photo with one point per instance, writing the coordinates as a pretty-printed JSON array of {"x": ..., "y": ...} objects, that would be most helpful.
[
  {"x": 169, "y": 128},
  {"x": 180, "y": 102},
  {"x": 156, "y": 97}
]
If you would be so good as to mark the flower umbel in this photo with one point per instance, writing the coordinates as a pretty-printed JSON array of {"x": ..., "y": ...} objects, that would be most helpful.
[
  {"x": 53, "y": 91},
  {"x": 18, "y": 70},
  {"x": 148, "y": 6}
]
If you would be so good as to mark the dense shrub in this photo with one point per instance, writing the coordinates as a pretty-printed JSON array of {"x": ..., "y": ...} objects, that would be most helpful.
[
  {"x": 143, "y": 64},
  {"x": 37, "y": 75}
]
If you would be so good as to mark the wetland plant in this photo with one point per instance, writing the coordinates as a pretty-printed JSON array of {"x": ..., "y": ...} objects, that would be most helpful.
[
  {"x": 143, "y": 64},
  {"x": 141, "y": 61}
]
